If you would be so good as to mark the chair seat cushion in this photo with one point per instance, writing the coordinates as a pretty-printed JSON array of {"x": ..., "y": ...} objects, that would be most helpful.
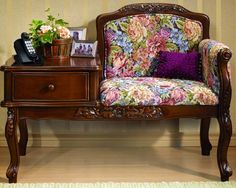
[{"x": 155, "y": 91}]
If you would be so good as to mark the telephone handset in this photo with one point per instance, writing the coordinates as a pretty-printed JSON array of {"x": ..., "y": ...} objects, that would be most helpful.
[
  {"x": 25, "y": 51},
  {"x": 28, "y": 46}
]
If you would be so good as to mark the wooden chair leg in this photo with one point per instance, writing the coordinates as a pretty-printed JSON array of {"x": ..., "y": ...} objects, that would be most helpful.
[
  {"x": 204, "y": 136},
  {"x": 23, "y": 137},
  {"x": 12, "y": 142},
  {"x": 223, "y": 144}
]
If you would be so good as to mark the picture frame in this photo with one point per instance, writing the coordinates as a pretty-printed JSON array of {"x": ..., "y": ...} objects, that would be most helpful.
[
  {"x": 84, "y": 48},
  {"x": 78, "y": 33}
]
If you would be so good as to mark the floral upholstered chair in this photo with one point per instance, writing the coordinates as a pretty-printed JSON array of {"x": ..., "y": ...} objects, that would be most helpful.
[{"x": 158, "y": 62}]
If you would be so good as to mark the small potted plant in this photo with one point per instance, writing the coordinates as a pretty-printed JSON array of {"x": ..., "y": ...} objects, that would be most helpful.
[{"x": 51, "y": 37}]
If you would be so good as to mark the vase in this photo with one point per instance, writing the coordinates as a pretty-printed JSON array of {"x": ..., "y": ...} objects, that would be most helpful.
[{"x": 58, "y": 50}]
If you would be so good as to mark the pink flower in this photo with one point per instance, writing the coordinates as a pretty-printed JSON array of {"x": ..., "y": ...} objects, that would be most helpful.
[
  {"x": 119, "y": 60},
  {"x": 112, "y": 96},
  {"x": 121, "y": 66},
  {"x": 210, "y": 80},
  {"x": 146, "y": 22},
  {"x": 109, "y": 37},
  {"x": 178, "y": 95},
  {"x": 126, "y": 72},
  {"x": 157, "y": 19},
  {"x": 110, "y": 72},
  {"x": 205, "y": 62},
  {"x": 204, "y": 96},
  {"x": 141, "y": 55},
  {"x": 192, "y": 30},
  {"x": 146, "y": 65},
  {"x": 136, "y": 30},
  {"x": 155, "y": 44},
  {"x": 140, "y": 94},
  {"x": 165, "y": 33},
  {"x": 168, "y": 101},
  {"x": 63, "y": 32}
]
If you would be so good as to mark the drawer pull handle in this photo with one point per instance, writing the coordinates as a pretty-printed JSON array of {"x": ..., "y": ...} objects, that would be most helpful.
[{"x": 51, "y": 87}]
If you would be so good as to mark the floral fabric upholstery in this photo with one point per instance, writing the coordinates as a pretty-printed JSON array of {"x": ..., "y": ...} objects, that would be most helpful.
[
  {"x": 209, "y": 50},
  {"x": 155, "y": 91},
  {"x": 133, "y": 42}
]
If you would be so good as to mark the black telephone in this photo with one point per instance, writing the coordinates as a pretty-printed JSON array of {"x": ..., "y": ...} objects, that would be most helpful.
[{"x": 25, "y": 51}]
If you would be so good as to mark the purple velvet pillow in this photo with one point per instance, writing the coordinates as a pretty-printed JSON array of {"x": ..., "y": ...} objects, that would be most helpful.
[{"x": 179, "y": 65}]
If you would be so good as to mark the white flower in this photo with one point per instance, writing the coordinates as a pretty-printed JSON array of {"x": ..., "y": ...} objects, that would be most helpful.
[{"x": 45, "y": 28}]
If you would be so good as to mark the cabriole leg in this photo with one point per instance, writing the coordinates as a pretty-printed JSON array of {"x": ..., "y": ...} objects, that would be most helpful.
[
  {"x": 223, "y": 144},
  {"x": 23, "y": 137},
  {"x": 11, "y": 137},
  {"x": 204, "y": 136}
]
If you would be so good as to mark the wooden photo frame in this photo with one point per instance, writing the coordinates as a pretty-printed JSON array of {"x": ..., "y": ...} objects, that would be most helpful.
[
  {"x": 84, "y": 48},
  {"x": 78, "y": 33}
]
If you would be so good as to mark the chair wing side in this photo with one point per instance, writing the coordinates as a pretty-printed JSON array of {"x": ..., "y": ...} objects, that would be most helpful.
[{"x": 216, "y": 69}]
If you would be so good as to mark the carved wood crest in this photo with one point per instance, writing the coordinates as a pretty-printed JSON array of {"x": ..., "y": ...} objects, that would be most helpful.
[
  {"x": 153, "y": 7},
  {"x": 119, "y": 112}
]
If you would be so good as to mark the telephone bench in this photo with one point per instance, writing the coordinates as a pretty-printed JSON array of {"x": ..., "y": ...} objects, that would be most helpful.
[{"x": 155, "y": 61}]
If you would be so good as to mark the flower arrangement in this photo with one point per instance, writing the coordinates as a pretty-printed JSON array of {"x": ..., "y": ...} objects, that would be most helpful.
[{"x": 44, "y": 32}]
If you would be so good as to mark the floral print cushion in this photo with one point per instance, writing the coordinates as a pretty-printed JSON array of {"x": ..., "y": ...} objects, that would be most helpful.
[
  {"x": 133, "y": 42},
  {"x": 209, "y": 50},
  {"x": 155, "y": 91}
]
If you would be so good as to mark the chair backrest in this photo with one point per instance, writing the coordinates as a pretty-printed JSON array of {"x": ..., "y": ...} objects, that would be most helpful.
[{"x": 130, "y": 38}]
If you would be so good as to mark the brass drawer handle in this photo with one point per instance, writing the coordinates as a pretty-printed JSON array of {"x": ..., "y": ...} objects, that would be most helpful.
[{"x": 51, "y": 87}]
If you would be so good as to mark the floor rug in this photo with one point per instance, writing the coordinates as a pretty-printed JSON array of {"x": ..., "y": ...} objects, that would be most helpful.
[{"x": 230, "y": 184}]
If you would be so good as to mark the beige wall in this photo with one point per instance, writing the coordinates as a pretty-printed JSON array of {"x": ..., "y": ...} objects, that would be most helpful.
[{"x": 15, "y": 16}]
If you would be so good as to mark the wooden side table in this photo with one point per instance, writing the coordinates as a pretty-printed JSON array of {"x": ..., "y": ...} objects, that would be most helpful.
[{"x": 54, "y": 90}]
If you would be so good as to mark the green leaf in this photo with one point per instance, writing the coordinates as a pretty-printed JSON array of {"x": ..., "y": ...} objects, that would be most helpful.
[
  {"x": 179, "y": 23},
  {"x": 171, "y": 46},
  {"x": 51, "y": 18},
  {"x": 124, "y": 26},
  {"x": 143, "y": 44},
  {"x": 164, "y": 96},
  {"x": 137, "y": 69},
  {"x": 60, "y": 22},
  {"x": 36, "y": 24},
  {"x": 112, "y": 26},
  {"x": 166, "y": 22},
  {"x": 116, "y": 49},
  {"x": 46, "y": 38},
  {"x": 136, "y": 45},
  {"x": 191, "y": 44}
]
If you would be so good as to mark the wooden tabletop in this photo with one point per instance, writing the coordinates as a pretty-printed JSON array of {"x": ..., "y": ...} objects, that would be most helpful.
[{"x": 73, "y": 63}]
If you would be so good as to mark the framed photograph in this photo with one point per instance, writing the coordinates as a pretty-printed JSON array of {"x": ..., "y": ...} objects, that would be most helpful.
[
  {"x": 78, "y": 33},
  {"x": 84, "y": 48}
]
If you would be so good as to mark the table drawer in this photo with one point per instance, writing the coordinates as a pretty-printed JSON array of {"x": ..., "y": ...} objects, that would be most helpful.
[{"x": 63, "y": 86}]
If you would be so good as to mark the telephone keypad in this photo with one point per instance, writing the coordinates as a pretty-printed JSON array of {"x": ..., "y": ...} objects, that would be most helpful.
[{"x": 30, "y": 47}]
